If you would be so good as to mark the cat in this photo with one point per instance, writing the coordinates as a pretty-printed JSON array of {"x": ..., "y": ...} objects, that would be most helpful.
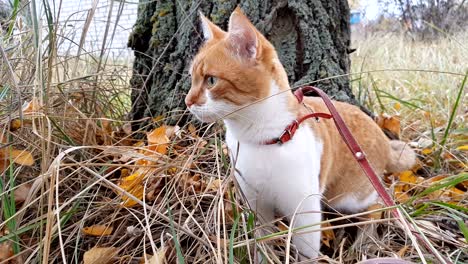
[{"x": 237, "y": 77}]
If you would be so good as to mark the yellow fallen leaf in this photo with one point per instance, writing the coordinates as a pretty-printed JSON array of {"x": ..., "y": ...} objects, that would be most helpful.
[
  {"x": 402, "y": 197},
  {"x": 157, "y": 140},
  {"x": 98, "y": 230},
  {"x": 427, "y": 151},
  {"x": 137, "y": 191},
  {"x": 129, "y": 182},
  {"x": 456, "y": 194},
  {"x": 134, "y": 185},
  {"x": 397, "y": 106},
  {"x": 327, "y": 235},
  {"x": 408, "y": 177},
  {"x": 99, "y": 255},
  {"x": 22, "y": 157},
  {"x": 463, "y": 148}
]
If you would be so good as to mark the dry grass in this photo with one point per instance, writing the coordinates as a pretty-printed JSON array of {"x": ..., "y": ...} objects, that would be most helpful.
[{"x": 80, "y": 140}]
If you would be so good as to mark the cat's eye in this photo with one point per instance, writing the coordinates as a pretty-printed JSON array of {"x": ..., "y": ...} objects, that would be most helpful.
[{"x": 211, "y": 81}]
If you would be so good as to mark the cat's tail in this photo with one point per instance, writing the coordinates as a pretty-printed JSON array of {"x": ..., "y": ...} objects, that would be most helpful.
[{"x": 402, "y": 157}]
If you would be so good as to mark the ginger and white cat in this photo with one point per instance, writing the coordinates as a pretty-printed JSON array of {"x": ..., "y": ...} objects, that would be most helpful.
[{"x": 237, "y": 77}]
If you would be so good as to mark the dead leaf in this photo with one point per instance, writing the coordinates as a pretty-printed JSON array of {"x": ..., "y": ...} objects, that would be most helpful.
[
  {"x": 397, "y": 106},
  {"x": 172, "y": 131},
  {"x": 6, "y": 251},
  {"x": 4, "y": 163},
  {"x": 389, "y": 123},
  {"x": 327, "y": 235},
  {"x": 21, "y": 193},
  {"x": 31, "y": 106},
  {"x": 99, "y": 255},
  {"x": 408, "y": 177},
  {"x": 22, "y": 157},
  {"x": 374, "y": 215},
  {"x": 133, "y": 184},
  {"x": 214, "y": 185},
  {"x": 159, "y": 258},
  {"x": 402, "y": 251},
  {"x": 98, "y": 230},
  {"x": 427, "y": 151},
  {"x": 15, "y": 124},
  {"x": 402, "y": 197},
  {"x": 157, "y": 140}
]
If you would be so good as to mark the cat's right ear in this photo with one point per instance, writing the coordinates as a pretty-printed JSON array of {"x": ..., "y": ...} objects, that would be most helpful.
[{"x": 209, "y": 29}]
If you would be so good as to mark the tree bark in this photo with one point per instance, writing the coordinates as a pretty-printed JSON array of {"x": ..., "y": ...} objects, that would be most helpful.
[{"x": 312, "y": 39}]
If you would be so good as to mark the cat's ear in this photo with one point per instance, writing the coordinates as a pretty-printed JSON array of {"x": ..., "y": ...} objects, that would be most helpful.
[
  {"x": 209, "y": 29},
  {"x": 242, "y": 35}
]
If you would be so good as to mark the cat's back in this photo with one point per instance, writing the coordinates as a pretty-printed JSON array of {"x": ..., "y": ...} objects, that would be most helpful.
[{"x": 340, "y": 173}]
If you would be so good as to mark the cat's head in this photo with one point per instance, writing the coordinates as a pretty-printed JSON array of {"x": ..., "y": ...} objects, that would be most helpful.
[{"x": 233, "y": 69}]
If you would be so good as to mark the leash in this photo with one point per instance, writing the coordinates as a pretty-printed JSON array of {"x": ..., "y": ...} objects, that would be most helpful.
[{"x": 355, "y": 149}]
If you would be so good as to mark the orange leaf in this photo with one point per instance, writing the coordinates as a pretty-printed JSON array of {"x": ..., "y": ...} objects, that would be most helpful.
[
  {"x": 327, "y": 235},
  {"x": 157, "y": 140},
  {"x": 22, "y": 157},
  {"x": 401, "y": 197},
  {"x": 457, "y": 194},
  {"x": 389, "y": 123},
  {"x": 15, "y": 124},
  {"x": 427, "y": 151},
  {"x": 133, "y": 185},
  {"x": 374, "y": 215},
  {"x": 408, "y": 177},
  {"x": 137, "y": 191},
  {"x": 98, "y": 230},
  {"x": 31, "y": 106},
  {"x": 98, "y": 255},
  {"x": 4, "y": 163}
]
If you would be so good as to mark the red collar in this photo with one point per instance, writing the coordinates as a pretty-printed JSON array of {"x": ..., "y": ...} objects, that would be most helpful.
[{"x": 290, "y": 130}]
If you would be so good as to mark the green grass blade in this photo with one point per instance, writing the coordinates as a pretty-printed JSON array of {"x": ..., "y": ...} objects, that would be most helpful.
[
  {"x": 180, "y": 257},
  {"x": 454, "y": 111},
  {"x": 447, "y": 182},
  {"x": 231, "y": 240}
]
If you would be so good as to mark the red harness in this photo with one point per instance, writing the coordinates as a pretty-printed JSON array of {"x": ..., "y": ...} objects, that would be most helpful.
[{"x": 355, "y": 149}]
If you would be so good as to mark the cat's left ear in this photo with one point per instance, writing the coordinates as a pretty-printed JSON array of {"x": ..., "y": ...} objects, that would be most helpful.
[{"x": 242, "y": 36}]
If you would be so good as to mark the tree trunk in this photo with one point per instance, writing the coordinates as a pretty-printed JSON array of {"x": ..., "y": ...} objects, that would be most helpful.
[{"x": 312, "y": 39}]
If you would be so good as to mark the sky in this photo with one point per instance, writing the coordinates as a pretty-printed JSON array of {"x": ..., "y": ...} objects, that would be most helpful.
[{"x": 373, "y": 8}]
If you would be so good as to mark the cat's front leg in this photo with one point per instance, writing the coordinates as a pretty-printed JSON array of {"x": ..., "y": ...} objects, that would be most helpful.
[{"x": 306, "y": 216}]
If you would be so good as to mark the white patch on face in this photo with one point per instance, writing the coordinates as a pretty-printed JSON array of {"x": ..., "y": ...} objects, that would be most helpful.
[{"x": 213, "y": 110}]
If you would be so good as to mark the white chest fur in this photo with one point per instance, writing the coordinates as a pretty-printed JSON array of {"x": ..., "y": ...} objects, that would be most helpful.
[
  {"x": 280, "y": 179},
  {"x": 278, "y": 176}
]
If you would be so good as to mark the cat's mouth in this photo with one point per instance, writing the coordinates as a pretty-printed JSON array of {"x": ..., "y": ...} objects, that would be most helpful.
[
  {"x": 202, "y": 113},
  {"x": 214, "y": 110}
]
